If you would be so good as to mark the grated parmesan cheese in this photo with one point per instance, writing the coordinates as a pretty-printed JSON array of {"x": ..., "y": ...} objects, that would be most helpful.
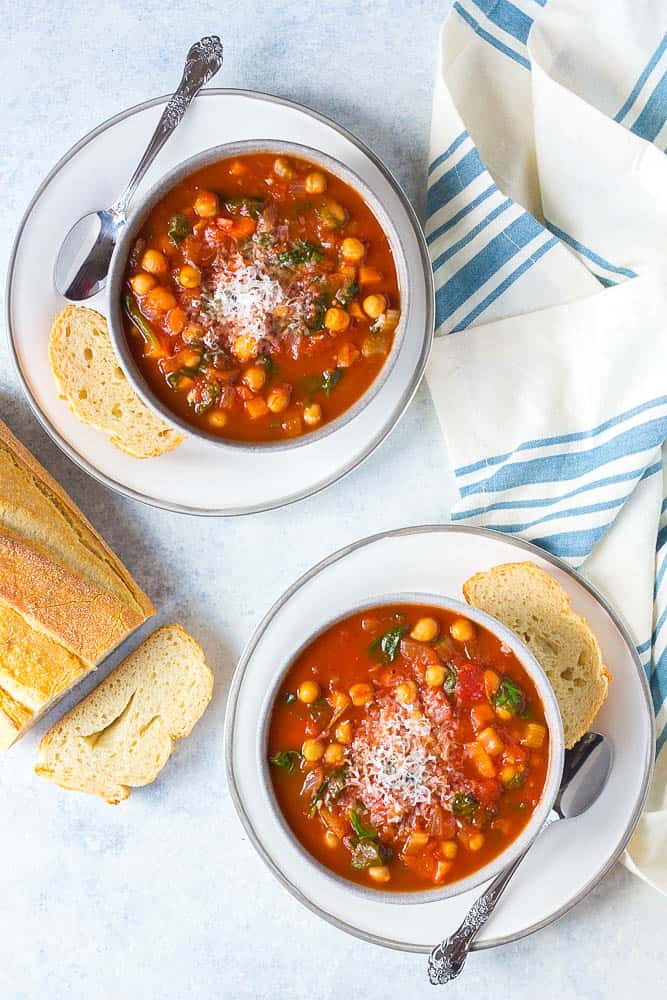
[
  {"x": 243, "y": 299},
  {"x": 391, "y": 763}
]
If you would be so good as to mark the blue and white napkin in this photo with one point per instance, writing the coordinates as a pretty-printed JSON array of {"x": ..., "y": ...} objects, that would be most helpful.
[{"x": 547, "y": 226}]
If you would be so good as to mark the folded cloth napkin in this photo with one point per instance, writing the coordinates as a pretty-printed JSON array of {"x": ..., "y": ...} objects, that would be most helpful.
[{"x": 547, "y": 227}]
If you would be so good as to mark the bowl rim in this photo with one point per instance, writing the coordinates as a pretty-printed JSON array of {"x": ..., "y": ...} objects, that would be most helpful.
[
  {"x": 556, "y": 750},
  {"x": 142, "y": 205}
]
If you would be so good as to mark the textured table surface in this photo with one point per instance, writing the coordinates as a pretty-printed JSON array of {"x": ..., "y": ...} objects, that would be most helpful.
[{"x": 164, "y": 898}]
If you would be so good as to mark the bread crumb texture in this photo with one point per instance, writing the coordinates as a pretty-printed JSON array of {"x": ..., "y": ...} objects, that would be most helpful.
[
  {"x": 89, "y": 378},
  {"x": 121, "y": 735},
  {"x": 535, "y": 606}
]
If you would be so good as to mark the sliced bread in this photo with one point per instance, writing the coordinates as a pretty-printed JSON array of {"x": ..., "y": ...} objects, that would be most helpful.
[
  {"x": 66, "y": 601},
  {"x": 535, "y": 606},
  {"x": 88, "y": 376},
  {"x": 122, "y": 734}
]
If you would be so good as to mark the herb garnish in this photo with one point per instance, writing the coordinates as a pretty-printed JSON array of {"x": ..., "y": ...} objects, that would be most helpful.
[
  {"x": 330, "y": 380},
  {"x": 251, "y": 207},
  {"x": 389, "y": 643},
  {"x": 301, "y": 252},
  {"x": 510, "y": 696},
  {"x": 464, "y": 804},
  {"x": 288, "y": 759},
  {"x": 178, "y": 228}
]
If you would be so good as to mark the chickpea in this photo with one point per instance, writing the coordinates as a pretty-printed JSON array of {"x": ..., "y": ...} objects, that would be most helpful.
[
  {"x": 308, "y": 692},
  {"x": 312, "y": 750},
  {"x": 316, "y": 182},
  {"x": 435, "y": 676},
  {"x": 347, "y": 355},
  {"x": 160, "y": 299},
  {"x": 193, "y": 333},
  {"x": 379, "y": 873},
  {"x": 154, "y": 262},
  {"x": 278, "y": 398},
  {"x": 374, "y": 305},
  {"x": 449, "y": 849},
  {"x": 292, "y": 426},
  {"x": 361, "y": 694},
  {"x": 245, "y": 348},
  {"x": 237, "y": 168},
  {"x": 255, "y": 377},
  {"x": 406, "y": 692},
  {"x": 336, "y": 319},
  {"x": 462, "y": 630},
  {"x": 425, "y": 630},
  {"x": 190, "y": 358},
  {"x": 507, "y": 773},
  {"x": 476, "y": 842},
  {"x": 217, "y": 419},
  {"x": 142, "y": 283},
  {"x": 344, "y": 732},
  {"x": 206, "y": 204},
  {"x": 334, "y": 753},
  {"x": 330, "y": 839},
  {"x": 312, "y": 414},
  {"x": 353, "y": 250},
  {"x": 282, "y": 168},
  {"x": 256, "y": 407},
  {"x": 189, "y": 276}
]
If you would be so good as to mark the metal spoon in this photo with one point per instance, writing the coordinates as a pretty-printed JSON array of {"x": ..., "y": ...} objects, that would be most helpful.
[
  {"x": 589, "y": 761},
  {"x": 83, "y": 260}
]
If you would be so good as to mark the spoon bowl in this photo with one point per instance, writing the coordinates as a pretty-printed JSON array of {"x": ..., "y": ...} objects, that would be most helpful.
[{"x": 83, "y": 260}]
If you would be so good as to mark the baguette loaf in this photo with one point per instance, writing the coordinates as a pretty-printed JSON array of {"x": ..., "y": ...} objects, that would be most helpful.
[
  {"x": 66, "y": 601},
  {"x": 123, "y": 733},
  {"x": 535, "y": 606}
]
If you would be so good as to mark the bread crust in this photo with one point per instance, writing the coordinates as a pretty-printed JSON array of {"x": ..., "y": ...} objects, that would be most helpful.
[{"x": 73, "y": 597}]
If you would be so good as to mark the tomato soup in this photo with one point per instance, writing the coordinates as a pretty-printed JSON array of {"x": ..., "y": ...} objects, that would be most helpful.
[
  {"x": 260, "y": 298},
  {"x": 407, "y": 747}
]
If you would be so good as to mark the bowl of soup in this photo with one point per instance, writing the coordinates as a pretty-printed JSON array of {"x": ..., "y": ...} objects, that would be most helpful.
[
  {"x": 257, "y": 297},
  {"x": 412, "y": 748}
]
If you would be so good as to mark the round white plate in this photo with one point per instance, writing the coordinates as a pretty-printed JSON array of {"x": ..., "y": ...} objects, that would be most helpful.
[
  {"x": 198, "y": 478},
  {"x": 566, "y": 861}
]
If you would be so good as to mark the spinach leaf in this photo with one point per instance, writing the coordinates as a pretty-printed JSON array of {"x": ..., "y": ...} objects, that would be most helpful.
[
  {"x": 517, "y": 781},
  {"x": 347, "y": 292},
  {"x": 450, "y": 680},
  {"x": 332, "y": 786},
  {"x": 360, "y": 830},
  {"x": 206, "y": 396},
  {"x": 510, "y": 696},
  {"x": 288, "y": 759},
  {"x": 174, "y": 378},
  {"x": 289, "y": 698},
  {"x": 389, "y": 643},
  {"x": 269, "y": 364},
  {"x": 316, "y": 313},
  {"x": 330, "y": 380},
  {"x": 251, "y": 207},
  {"x": 367, "y": 854},
  {"x": 178, "y": 228},
  {"x": 464, "y": 804},
  {"x": 142, "y": 325},
  {"x": 318, "y": 709},
  {"x": 301, "y": 252}
]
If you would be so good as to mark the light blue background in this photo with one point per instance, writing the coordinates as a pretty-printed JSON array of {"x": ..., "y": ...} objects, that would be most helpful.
[{"x": 163, "y": 898}]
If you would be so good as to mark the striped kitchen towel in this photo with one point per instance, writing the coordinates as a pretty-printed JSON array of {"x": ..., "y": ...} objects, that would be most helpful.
[{"x": 547, "y": 226}]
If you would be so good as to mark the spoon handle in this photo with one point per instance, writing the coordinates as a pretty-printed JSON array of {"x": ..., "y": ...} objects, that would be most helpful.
[
  {"x": 448, "y": 958},
  {"x": 203, "y": 61}
]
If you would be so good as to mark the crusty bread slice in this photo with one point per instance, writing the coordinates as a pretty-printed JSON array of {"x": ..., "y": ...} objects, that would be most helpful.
[
  {"x": 122, "y": 734},
  {"x": 538, "y": 610},
  {"x": 88, "y": 376}
]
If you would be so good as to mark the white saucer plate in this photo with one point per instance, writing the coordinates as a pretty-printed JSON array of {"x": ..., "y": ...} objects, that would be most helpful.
[
  {"x": 198, "y": 478},
  {"x": 566, "y": 861}
]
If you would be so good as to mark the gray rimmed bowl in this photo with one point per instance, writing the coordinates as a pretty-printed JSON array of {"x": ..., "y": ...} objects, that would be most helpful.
[
  {"x": 554, "y": 770},
  {"x": 140, "y": 211}
]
